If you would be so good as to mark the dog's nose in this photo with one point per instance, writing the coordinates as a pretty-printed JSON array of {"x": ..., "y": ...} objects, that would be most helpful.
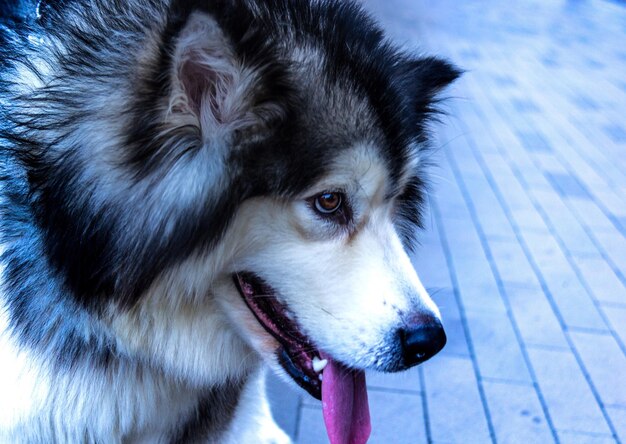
[{"x": 422, "y": 342}]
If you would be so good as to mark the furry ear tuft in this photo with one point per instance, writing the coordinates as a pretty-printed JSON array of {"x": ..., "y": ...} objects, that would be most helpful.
[
  {"x": 435, "y": 74},
  {"x": 427, "y": 77},
  {"x": 210, "y": 88}
]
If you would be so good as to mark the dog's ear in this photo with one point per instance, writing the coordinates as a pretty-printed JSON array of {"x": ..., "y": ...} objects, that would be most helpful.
[
  {"x": 210, "y": 87},
  {"x": 426, "y": 77}
]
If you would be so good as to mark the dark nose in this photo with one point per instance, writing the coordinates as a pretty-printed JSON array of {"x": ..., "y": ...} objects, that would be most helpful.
[{"x": 422, "y": 342}]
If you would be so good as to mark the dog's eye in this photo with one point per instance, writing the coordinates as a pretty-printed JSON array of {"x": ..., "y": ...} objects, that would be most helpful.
[
  {"x": 328, "y": 203},
  {"x": 332, "y": 206}
]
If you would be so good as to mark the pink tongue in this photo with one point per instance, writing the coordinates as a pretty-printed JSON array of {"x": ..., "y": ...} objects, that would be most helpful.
[{"x": 344, "y": 404}]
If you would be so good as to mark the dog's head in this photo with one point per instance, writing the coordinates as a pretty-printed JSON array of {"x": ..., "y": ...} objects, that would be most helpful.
[
  {"x": 319, "y": 251},
  {"x": 325, "y": 273},
  {"x": 269, "y": 155}
]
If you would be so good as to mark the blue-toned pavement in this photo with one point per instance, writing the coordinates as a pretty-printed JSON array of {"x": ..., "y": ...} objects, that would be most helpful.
[{"x": 525, "y": 247}]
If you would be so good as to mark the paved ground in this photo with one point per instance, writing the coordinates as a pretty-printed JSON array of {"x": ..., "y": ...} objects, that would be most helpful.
[{"x": 525, "y": 250}]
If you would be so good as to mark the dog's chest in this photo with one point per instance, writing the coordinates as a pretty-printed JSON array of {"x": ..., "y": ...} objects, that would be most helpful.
[{"x": 41, "y": 405}]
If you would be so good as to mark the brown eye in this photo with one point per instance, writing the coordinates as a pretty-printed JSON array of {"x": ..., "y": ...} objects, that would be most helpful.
[{"x": 328, "y": 203}]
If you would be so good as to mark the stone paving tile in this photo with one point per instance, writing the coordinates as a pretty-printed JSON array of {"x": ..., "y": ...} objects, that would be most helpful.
[
  {"x": 517, "y": 414},
  {"x": 617, "y": 320},
  {"x": 476, "y": 283},
  {"x": 517, "y": 200},
  {"x": 590, "y": 214},
  {"x": 617, "y": 133},
  {"x": 311, "y": 427},
  {"x": 618, "y": 417},
  {"x": 504, "y": 80},
  {"x": 601, "y": 279},
  {"x": 575, "y": 305},
  {"x": 584, "y": 102},
  {"x": 615, "y": 247},
  {"x": 497, "y": 352},
  {"x": 536, "y": 321},
  {"x": 606, "y": 364},
  {"x": 619, "y": 222},
  {"x": 553, "y": 171},
  {"x": 568, "y": 185},
  {"x": 570, "y": 401},
  {"x": 512, "y": 263},
  {"x": 564, "y": 223},
  {"x": 534, "y": 141},
  {"x": 396, "y": 416},
  {"x": 525, "y": 105},
  {"x": 455, "y": 408},
  {"x": 492, "y": 218}
]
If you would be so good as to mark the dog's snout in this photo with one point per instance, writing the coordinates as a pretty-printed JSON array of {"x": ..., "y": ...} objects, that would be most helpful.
[{"x": 422, "y": 341}]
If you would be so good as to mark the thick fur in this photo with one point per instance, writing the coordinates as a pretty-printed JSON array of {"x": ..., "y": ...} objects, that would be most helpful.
[{"x": 149, "y": 150}]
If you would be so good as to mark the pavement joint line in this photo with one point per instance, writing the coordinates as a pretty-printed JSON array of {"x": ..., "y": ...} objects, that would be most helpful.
[
  {"x": 616, "y": 406},
  {"x": 425, "y": 410},
  {"x": 470, "y": 344},
  {"x": 505, "y": 381},
  {"x": 458, "y": 355},
  {"x": 590, "y": 434},
  {"x": 499, "y": 283},
  {"x": 393, "y": 390},
  {"x": 553, "y": 348},
  {"x": 538, "y": 273},
  {"x": 301, "y": 406},
  {"x": 591, "y": 331},
  {"x": 612, "y": 305},
  {"x": 518, "y": 285}
]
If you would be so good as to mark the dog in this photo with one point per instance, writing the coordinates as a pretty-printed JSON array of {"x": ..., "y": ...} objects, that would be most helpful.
[{"x": 192, "y": 191}]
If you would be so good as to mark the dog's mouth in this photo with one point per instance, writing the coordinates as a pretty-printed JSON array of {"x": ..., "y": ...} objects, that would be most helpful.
[
  {"x": 297, "y": 355},
  {"x": 341, "y": 390}
]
